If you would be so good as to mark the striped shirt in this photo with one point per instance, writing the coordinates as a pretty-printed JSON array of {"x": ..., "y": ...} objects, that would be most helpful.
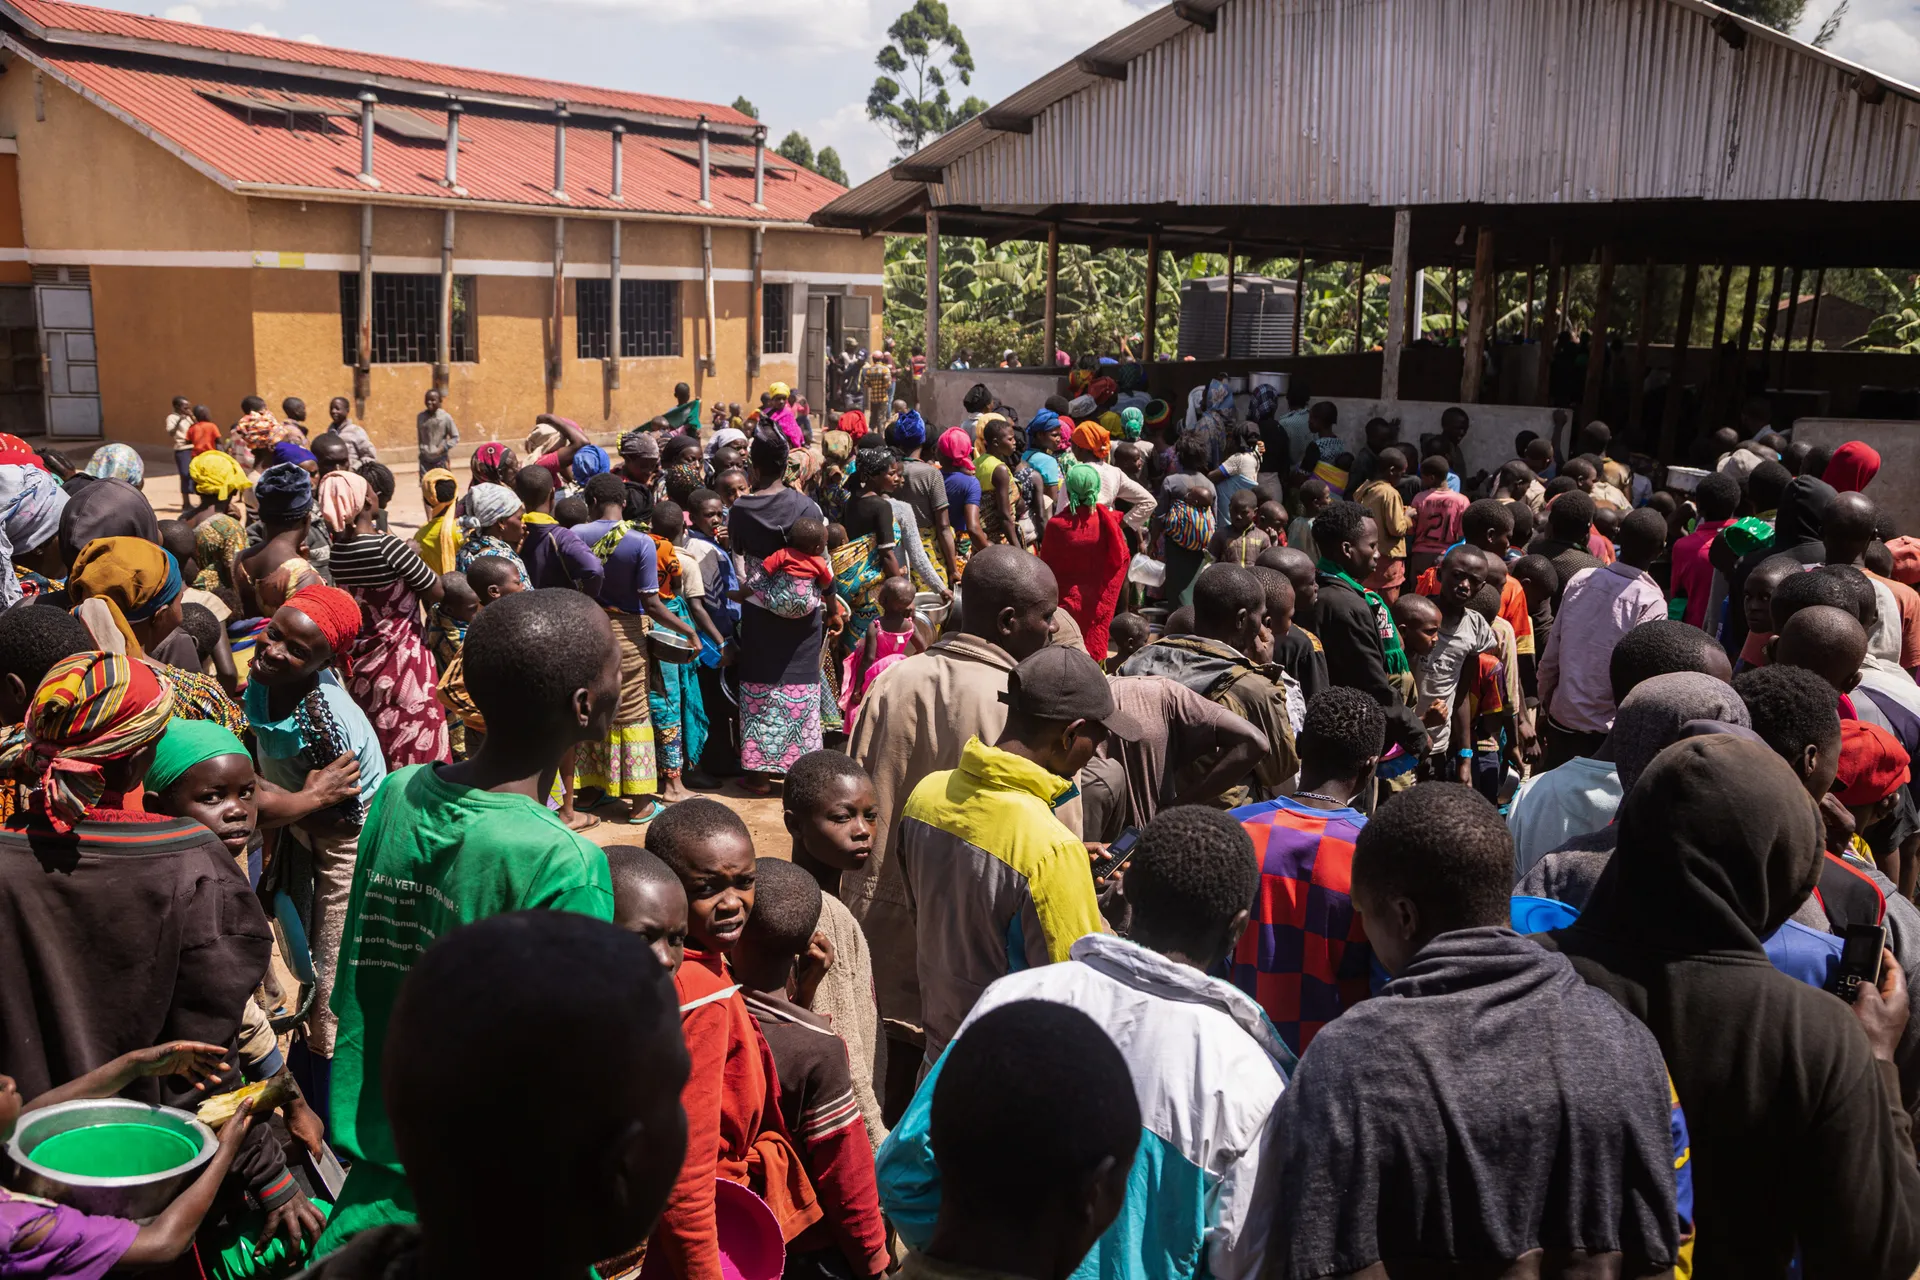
[{"x": 376, "y": 559}]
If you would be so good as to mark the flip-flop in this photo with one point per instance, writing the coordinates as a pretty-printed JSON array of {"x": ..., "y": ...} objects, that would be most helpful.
[
  {"x": 578, "y": 826},
  {"x": 759, "y": 788},
  {"x": 652, "y": 811}
]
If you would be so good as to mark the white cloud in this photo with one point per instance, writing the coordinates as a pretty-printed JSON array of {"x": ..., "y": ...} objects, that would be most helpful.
[
  {"x": 1883, "y": 35},
  {"x": 260, "y": 29},
  {"x": 863, "y": 148},
  {"x": 184, "y": 13},
  {"x": 308, "y": 37}
]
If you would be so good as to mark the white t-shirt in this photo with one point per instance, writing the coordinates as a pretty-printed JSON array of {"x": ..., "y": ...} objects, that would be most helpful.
[{"x": 1460, "y": 642}]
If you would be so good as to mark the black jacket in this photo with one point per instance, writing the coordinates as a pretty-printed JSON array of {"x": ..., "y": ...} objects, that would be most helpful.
[{"x": 1349, "y": 634}]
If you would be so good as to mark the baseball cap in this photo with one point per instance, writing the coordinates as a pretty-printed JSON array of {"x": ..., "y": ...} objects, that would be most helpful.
[{"x": 1059, "y": 683}]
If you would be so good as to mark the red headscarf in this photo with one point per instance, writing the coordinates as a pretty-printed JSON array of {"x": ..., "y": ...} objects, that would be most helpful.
[
  {"x": 17, "y": 452},
  {"x": 1852, "y": 468},
  {"x": 336, "y": 613},
  {"x": 854, "y": 423}
]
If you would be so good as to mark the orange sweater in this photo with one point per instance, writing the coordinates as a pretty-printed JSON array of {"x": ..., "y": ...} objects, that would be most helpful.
[{"x": 734, "y": 1129}]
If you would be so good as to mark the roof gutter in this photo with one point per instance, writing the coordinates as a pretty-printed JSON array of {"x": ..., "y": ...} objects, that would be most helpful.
[{"x": 343, "y": 75}]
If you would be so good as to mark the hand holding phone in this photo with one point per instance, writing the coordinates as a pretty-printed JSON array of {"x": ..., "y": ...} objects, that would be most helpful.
[{"x": 1118, "y": 854}]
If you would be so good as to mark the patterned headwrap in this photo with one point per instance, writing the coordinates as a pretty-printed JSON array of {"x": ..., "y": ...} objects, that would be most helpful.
[
  {"x": 488, "y": 459},
  {"x": 1079, "y": 380},
  {"x": 284, "y": 492},
  {"x": 31, "y": 501},
  {"x": 17, "y": 452},
  {"x": 217, "y": 475},
  {"x": 1081, "y": 407},
  {"x": 490, "y": 503},
  {"x": 116, "y": 462},
  {"x": 336, "y": 613},
  {"x": 1157, "y": 413},
  {"x": 1132, "y": 421},
  {"x": 256, "y": 429},
  {"x": 91, "y": 707},
  {"x": 590, "y": 460},
  {"x": 132, "y": 577},
  {"x": 1265, "y": 400},
  {"x": 909, "y": 431},
  {"x": 1131, "y": 375},
  {"x": 1219, "y": 397},
  {"x": 1188, "y": 526},
  {"x": 1104, "y": 391},
  {"x": 639, "y": 443},
  {"x": 342, "y": 495},
  {"x": 1083, "y": 486}
]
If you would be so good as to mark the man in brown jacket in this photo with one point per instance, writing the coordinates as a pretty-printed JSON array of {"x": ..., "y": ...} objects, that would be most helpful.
[{"x": 915, "y": 721}]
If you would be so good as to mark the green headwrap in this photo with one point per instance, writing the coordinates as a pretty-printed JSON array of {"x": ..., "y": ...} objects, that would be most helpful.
[
  {"x": 1083, "y": 486},
  {"x": 1131, "y": 422},
  {"x": 185, "y": 744}
]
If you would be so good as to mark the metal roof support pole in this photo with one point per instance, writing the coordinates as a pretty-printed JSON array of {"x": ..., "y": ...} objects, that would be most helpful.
[
  {"x": 1637, "y": 373},
  {"x": 1397, "y": 300},
  {"x": 363, "y": 354},
  {"x": 1793, "y": 309},
  {"x": 756, "y": 301},
  {"x": 706, "y": 279},
  {"x": 452, "y": 181},
  {"x": 1050, "y": 325},
  {"x": 1417, "y": 308},
  {"x": 614, "y": 347},
  {"x": 933, "y": 289},
  {"x": 559, "y": 151},
  {"x": 619, "y": 175},
  {"x": 443, "y": 341},
  {"x": 1549, "y": 326},
  {"x": 1226, "y": 330},
  {"x": 1479, "y": 316},
  {"x": 367, "y": 101},
  {"x": 1359, "y": 305},
  {"x": 1299, "y": 299},
  {"x": 1682, "y": 339},
  {"x": 1526, "y": 312},
  {"x": 557, "y": 361},
  {"x": 706, "y": 167},
  {"x": 1752, "y": 295},
  {"x": 760, "y": 168},
  {"x": 1773, "y": 317},
  {"x": 1153, "y": 296},
  {"x": 1597, "y": 347},
  {"x": 1813, "y": 315},
  {"x": 1453, "y": 300},
  {"x": 1720, "y": 308},
  {"x": 1716, "y": 376}
]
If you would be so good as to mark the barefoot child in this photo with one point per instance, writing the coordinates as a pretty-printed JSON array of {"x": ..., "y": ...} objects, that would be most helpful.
[
  {"x": 777, "y": 962},
  {"x": 734, "y": 1128},
  {"x": 831, "y": 812}
]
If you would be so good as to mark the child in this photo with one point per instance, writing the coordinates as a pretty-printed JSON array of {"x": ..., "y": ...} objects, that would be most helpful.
[
  {"x": 1873, "y": 768},
  {"x": 734, "y": 1130},
  {"x": 1436, "y": 516},
  {"x": 830, "y": 811},
  {"x": 488, "y": 579},
  {"x": 730, "y": 484},
  {"x": 447, "y": 619},
  {"x": 816, "y": 1082},
  {"x": 803, "y": 559},
  {"x": 41, "y": 1238},
  {"x": 204, "y": 434},
  {"x": 1271, "y": 518},
  {"x": 897, "y": 635},
  {"x": 1242, "y": 541},
  {"x": 1758, "y": 603},
  {"x": 648, "y": 899},
  {"x": 1381, "y": 497},
  {"x": 1463, "y": 633},
  {"x": 1129, "y": 633},
  {"x": 1493, "y": 698},
  {"x": 1311, "y": 500}
]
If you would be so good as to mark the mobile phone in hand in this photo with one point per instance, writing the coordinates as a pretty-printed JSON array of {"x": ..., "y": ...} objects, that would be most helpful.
[
  {"x": 1860, "y": 957},
  {"x": 1118, "y": 853}
]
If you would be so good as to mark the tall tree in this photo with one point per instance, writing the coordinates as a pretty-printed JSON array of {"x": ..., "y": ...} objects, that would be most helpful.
[
  {"x": 827, "y": 165},
  {"x": 746, "y": 108},
  {"x": 796, "y": 148},
  {"x": 924, "y": 49}
]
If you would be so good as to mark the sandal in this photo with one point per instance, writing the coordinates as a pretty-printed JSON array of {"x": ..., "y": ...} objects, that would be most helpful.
[
  {"x": 582, "y": 822},
  {"x": 760, "y": 788},
  {"x": 641, "y": 816}
]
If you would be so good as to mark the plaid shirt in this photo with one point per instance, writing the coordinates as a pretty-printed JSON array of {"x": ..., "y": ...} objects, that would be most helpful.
[{"x": 1304, "y": 956}]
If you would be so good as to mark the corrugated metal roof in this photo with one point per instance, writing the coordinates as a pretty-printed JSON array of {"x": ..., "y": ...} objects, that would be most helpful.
[
  {"x": 1293, "y": 103},
  {"x": 504, "y": 158},
  {"x": 58, "y": 23}
]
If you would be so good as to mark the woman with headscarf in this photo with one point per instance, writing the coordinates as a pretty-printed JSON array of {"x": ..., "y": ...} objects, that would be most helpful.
[
  {"x": 1086, "y": 548},
  {"x": 127, "y": 591},
  {"x": 1799, "y": 1144},
  {"x": 104, "y": 509},
  {"x": 963, "y": 494},
  {"x": 304, "y": 719},
  {"x": 497, "y": 515},
  {"x": 780, "y": 413},
  {"x": 31, "y": 506},
  {"x": 392, "y": 675},
  {"x": 1852, "y": 467},
  {"x": 439, "y": 534},
  {"x": 589, "y": 460},
  {"x": 868, "y": 556},
  {"x": 778, "y": 658},
  {"x": 284, "y": 498},
  {"x": 492, "y": 463},
  {"x": 117, "y": 462}
]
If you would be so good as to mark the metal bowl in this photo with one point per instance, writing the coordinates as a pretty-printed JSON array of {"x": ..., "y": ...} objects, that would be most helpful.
[
  {"x": 671, "y": 646},
  {"x": 1685, "y": 479},
  {"x": 930, "y": 606},
  {"x": 130, "y": 1196}
]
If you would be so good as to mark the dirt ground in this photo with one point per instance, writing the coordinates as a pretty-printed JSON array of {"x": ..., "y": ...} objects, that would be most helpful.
[{"x": 404, "y": 514}]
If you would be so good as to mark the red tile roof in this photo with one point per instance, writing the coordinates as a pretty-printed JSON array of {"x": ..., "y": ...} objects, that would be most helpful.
[
  {"x": 60, "y": 23},
  {"x": 504, "y": 158}
]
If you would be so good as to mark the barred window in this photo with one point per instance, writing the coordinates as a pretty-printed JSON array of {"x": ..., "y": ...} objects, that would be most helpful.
[
  {"x": 649, "y": 317},
  {"x": 776, "y": 317},
  {"x": 406, "y": 319}
]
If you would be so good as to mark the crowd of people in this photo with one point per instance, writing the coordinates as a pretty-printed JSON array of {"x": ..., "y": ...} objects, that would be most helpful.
[{"x": 1136, "y": 761}]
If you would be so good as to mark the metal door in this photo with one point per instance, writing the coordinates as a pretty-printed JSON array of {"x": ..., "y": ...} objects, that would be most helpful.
[
  {"x": 65, "y": 315},
  {"x": 856, "y": 321},
  {"x": 813, "y": 355}
]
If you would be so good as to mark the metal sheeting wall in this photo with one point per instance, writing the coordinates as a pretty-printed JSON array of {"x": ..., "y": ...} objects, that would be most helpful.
[{"x": 1392, "y": 102}]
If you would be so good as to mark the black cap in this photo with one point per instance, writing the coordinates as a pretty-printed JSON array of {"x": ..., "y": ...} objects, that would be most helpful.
[{"x": 1061, "y": 683}]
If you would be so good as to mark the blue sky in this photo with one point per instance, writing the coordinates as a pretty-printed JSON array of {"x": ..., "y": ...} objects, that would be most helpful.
[{"x": 807, "y": 64}]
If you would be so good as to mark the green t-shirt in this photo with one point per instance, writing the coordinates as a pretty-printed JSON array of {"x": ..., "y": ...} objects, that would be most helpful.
[{"x": 434, "y": 856}]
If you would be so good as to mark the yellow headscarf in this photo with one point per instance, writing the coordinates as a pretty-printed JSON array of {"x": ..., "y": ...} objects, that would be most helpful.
[
  {"x": 217, "y": 475},
  {"x": 439, "y": 535}
]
